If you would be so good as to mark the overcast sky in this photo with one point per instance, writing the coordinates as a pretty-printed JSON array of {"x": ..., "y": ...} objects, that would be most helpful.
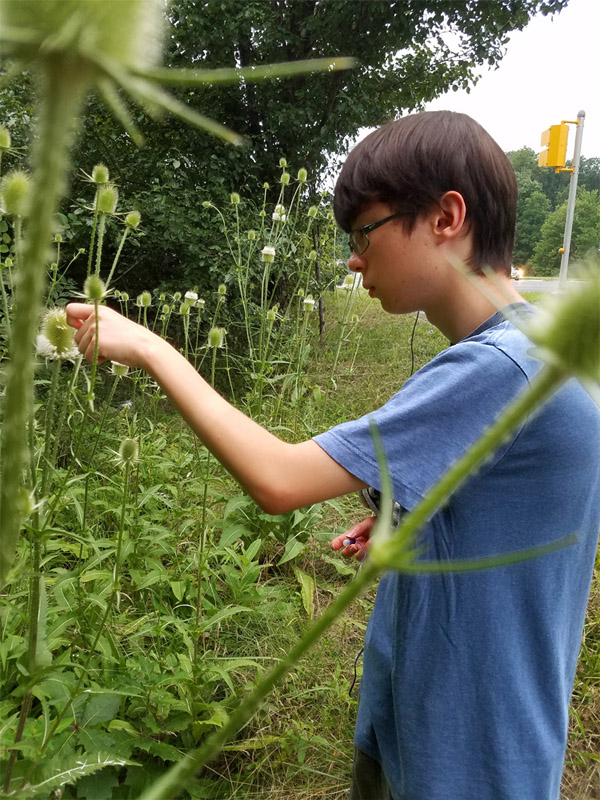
[{"x": 551, "y": 71}]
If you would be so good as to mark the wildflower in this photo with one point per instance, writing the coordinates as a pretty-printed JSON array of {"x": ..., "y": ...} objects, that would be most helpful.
[
  {"x": 302, "y": 175},
  {"x": 222, "y": 290},
  {"x": 108, "y": 197},
  {"x": 94, "y": 289},
  {"x": 58, "y": 238},
  {"x": 300, "y": 292},
  {"x": 177, "y": 297},
  {"x": 312, "y": 211},
  {"x": 279, "y": 214},
  {"x": 206, "y": 204},
  {"x": 14, "y": 189},
  {"x": 191, "y": 298},
  {"x": 133, "y": 219},
  {"x": 285, "y": 178},
  {"x": 234, "y": 198},
  {"x": 184, "y": 309},
  {"x": 144, "y": 300},
  {"x": 312, "y": 256},
  {"x": 117, "y": 294},
  {"x": 128, "y": 452},
  {"x": 272, "y": 314},
  {"x": 124, "y": 297},
  {"x": 4, "y": 138},
  {"x": 265, "y": 185},
  {"x": 166, "y": 309},
  {"x": 268, "y": 254},
  {"x": 55, "y": 342},
  {"x": 308, "y": 302},
  {"x": 251, "y": 235},
  {"x": 566, "y": 329},
  {"x": 100, "y": 174},
  {"x": 216, "y": 337},
  {"x": 282, "y": 162},
  {"x": 200, "y": 303},
  {"x": 118, "y": 369}
]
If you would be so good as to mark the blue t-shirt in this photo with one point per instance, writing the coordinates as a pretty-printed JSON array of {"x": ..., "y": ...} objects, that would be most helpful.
[{"x": 467, "y": 677}]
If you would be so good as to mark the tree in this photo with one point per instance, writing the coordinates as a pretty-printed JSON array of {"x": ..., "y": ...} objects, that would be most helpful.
[
  {"x": 585, "y": 238},
  {"x": 407, "y": 52}
]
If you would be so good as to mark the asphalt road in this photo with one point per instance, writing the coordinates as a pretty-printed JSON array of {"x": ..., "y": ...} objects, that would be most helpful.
[{"x": 531, "y": 285}]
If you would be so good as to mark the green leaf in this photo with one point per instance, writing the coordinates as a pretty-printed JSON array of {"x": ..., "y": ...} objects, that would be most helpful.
[
  {"x": 307, "y": 590},
  {"x": 224, "y": 613},
  {"x": 100, "y": 708},
  {"x": 292, "y": 550}
]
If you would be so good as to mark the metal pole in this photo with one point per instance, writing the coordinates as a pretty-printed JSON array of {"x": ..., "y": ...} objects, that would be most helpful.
[{"x": 564, "y": 262}]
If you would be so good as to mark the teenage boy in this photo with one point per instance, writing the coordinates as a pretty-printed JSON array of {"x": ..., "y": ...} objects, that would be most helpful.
[{"x": 467, "y": 677}]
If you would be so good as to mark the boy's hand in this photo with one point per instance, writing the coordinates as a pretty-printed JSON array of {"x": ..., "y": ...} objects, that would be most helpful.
[
  {"x": 361, "y": 534},
  {"x": 119, "y": 339}
]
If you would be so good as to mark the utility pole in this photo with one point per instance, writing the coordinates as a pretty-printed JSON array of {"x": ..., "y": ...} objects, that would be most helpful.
[{"x": 555, "y": 139}]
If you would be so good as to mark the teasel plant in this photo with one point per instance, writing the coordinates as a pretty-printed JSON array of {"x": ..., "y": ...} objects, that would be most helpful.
[
  {"x": 74, "y": 47},
  {"x": 566, "y": 337}
]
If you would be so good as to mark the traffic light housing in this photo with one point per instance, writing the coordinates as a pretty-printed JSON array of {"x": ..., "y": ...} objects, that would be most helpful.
[{"x": 555, "y": 141}]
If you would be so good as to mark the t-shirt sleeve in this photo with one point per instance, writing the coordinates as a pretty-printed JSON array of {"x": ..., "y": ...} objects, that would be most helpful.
[{"x": 431, "y": 421}]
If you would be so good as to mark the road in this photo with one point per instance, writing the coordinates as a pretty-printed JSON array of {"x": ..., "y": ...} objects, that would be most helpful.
[{"x": 531, "y": 285}]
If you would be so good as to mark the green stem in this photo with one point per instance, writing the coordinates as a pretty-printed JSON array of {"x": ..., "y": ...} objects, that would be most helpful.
[
  {"x": 117, "y": 256},
  {"x": 60, "y": 106}
]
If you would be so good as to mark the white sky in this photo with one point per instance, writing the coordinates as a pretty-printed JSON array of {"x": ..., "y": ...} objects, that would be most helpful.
[{"x": 551, "y": 71}]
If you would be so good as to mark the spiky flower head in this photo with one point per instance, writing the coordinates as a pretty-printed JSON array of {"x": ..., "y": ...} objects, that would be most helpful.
[
  {"x": 94, "y": 289},
  {"x": 184, "y": 309},
  {"x": 300, "y": 292},
  {"x": 58, "y": 238},
  {"x": 279, "y": 214},
  {"x": 100, "y": 174},
  {"x": 125, "y": 297},
  {"x": 308, "y": 302},
  {"x": 5, "y": 140},
  {"x": 166, "y": 309},
  {"x": 126, "y": 33},
  {"x": 222, "y": 290},
  {"x": 118, "y": 369},
  {"x": 14, "y": 189},
  {"x": 133, "y": 219},
  {"x": 177, "y": 297},
  {"x": 56, "y": 338},
  {"x": 107, "y": 199},
  {"x": 302, "y": 175},
  {"x": 200, "y": 303},
  {"x": 235, "y": 198},
  {"x": 144, "y": 300},
  {"x": 128, "y": 452},
  {"x": 285, "y": 178},
  {"x": 216, "y": 337},
  {"x": 567, "y": 328},
  {"x": 251, "y": 235},
  {"x": 272, "y": 315},
  {"x": 282, "y": 162},
  {"x": 268, "y": 254},
  {"x": 265, "y": 185},
  {"x": 312, "y": 211},
  {"x": 312, "y": 256},
  {"x": 190, "y": 298}
]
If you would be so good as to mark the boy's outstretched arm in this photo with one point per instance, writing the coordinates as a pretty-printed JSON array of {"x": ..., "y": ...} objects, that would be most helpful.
[{"x": 277, "y": 475}]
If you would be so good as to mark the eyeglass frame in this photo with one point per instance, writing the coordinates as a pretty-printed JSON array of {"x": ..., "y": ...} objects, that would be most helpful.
[{"x": 365, "y": 229}]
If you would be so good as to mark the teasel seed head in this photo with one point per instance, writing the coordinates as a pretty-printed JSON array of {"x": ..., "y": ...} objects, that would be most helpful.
[
  {"x": 144, "y": 300},
  {"x": 302, "y": 175},
  {"x": 251, "y": 235},
  {"x": 285, "y": 178},
  {"x": 222, "y": 290},
  {"x": 56, "y": 339},
  {"x": 216, "y": 337},
  {"x": 15, "y": 191},
  {"x": 234, "y": 198},
  {"x": 94, "y": 289},
  {"x": 282, "y": 162},
  {"x": 100, "y": 174},
  {"x": 133, "y": 219},
  {"x": 312, "y": 211},
  {"x": 5, "y": 140},
  {"x": 118, "y": 369},
  {"x": 108, "y": 197},
  {"x": 268, "y": 254},
  {"x": 128, "y": 452}
]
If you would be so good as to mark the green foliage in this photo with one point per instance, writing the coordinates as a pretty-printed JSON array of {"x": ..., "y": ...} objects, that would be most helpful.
[{"x": 585, "y": 236}]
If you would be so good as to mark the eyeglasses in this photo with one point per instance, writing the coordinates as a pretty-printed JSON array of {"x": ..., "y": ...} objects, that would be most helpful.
[{"x": 358, "y": 239}]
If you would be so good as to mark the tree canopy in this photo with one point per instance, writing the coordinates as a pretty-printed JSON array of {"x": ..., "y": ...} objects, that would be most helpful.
[{"x": 408, "y": 52}]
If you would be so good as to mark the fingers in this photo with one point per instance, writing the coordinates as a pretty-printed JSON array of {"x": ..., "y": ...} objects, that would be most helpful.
[
  {"x": 77, "y": 313},
  {"x": 358, "y": 535}
]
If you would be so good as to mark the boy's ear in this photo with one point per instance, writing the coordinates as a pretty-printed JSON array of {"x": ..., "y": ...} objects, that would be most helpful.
[{"x": 449, "y": 216}]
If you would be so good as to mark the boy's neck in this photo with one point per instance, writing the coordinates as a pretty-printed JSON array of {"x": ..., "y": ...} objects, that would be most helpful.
[{"x": 470, "y": 304}]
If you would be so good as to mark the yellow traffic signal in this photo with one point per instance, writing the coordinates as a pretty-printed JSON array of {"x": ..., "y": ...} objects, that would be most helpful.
[{"x": 555, "y": 140}]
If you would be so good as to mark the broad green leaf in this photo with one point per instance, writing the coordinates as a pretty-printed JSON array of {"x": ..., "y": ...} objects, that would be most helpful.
[
  {"x": 307, "y": 590},
  {"x": 292, "y": 550}
]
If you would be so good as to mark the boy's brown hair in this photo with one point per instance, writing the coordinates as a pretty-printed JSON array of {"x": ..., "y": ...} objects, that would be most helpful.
[{"x": 411, "y": 162}]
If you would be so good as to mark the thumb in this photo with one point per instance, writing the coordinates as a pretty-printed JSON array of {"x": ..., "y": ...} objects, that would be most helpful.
[{"x": 77, "y": 313}]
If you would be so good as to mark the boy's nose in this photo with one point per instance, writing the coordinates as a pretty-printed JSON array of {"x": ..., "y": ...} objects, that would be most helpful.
[{"x": 355, "y": 263}]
